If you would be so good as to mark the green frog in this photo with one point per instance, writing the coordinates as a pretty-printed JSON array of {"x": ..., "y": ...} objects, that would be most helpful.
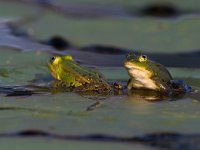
[
  {"x": 144, "y": 75},
  {"x": 149, "y": 75},
  {"x": 80, "y": 78}
]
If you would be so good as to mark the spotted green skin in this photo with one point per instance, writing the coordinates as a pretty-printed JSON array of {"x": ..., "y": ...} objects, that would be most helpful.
[
  {"x": 71, "y": 74},
  {"x": 146, "y": 74}
]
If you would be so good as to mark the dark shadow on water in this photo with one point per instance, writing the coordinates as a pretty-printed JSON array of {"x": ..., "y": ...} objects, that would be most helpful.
[
  {"x": 111, "y": 57},
  {"x": 159, "y": 10},
  {"x": 162, "y": 10},
  {"x": 164, "y": 140}
]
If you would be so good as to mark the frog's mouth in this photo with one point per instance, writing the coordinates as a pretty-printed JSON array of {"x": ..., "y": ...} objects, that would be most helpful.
[
  {"x": 129, "y": 65},
  {"x": 52, "y": 70},
  {"x": 136, "y": 71}
]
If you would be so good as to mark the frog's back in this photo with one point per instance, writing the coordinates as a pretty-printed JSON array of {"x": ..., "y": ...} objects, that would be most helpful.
[
  {"x": 87, "y": 78},
  {"x": 160, "y": 72}
]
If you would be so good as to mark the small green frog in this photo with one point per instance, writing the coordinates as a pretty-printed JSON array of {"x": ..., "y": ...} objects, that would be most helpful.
[
  {"x": 147, "y": 74},
  {"x": 71, "y": 74}
]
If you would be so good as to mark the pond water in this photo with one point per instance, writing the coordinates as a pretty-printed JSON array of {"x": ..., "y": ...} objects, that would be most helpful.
[{"x": 23, "y": 61}]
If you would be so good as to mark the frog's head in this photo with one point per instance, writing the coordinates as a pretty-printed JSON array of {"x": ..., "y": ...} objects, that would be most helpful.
[
  {"x": 138, "y": 66},
  {"x": 145, "y": 73},
  {"x": 56, "y": 65}
]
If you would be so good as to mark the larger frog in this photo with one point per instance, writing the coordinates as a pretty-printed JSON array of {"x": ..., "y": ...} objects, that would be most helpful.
[
  {"x": 144, "y": 74},
  {"x": 147, "y": 74}
]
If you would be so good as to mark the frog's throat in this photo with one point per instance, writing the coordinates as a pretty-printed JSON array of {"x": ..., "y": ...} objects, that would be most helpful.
[
  {"x": 52, "y": 71},
  {"x": 143, "y": 84},
  {"x": 140, "y": 78}
]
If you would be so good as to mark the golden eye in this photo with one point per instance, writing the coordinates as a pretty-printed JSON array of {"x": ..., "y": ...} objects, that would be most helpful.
[
  {"x": 55, "y": 60},
  {"x": 142, "y": 58},
  {"x": 52, "y": 59}
]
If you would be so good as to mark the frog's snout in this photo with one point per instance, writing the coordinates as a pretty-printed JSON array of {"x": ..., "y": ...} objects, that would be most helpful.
[{"x": 127, "y": 64}]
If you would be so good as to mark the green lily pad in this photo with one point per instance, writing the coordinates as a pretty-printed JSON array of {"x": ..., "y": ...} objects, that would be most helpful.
[
  {"x": 17, "y": 67},
  {"x": 147, "y": 34},
  {"x": 18, "y": 9}
]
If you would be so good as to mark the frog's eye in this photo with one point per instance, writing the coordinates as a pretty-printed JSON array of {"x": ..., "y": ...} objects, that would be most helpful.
[
  {"x": 52, "y": 59},
  {"x": 55, "y": 59},
  {"x": 142, "y": 58}
]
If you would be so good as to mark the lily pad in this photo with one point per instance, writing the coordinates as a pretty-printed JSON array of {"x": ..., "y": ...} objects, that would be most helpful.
[
  {"x": 17, "y": 67},
  {"x": 148, "y": 34}
]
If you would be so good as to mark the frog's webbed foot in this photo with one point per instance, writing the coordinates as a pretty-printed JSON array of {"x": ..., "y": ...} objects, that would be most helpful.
[{"x": 117, "y": 88}]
